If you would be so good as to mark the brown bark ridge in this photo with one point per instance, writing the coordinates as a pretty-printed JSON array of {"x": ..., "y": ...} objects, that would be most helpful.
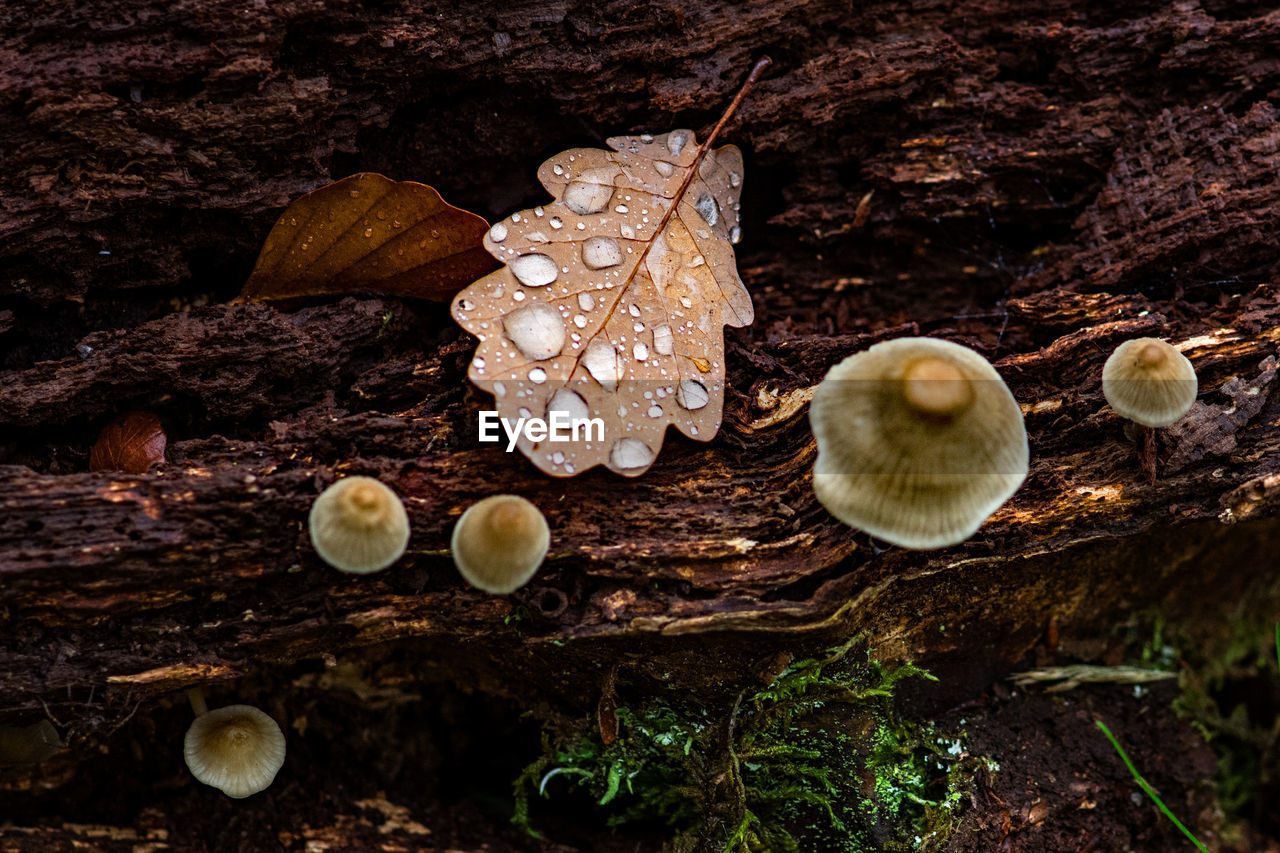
[{"x": 1039, "y": 183}]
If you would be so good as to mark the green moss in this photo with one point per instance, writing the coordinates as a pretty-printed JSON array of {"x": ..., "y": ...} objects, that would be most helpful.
[{"x": 815, "y": 762}]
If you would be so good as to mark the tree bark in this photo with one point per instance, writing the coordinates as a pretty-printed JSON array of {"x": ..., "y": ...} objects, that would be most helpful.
[{"x": 1038, "y": 184}]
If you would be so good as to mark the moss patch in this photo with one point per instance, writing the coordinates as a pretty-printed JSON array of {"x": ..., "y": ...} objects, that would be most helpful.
[
  {"x": 815, "y": 761},
  {"x": 1231, "y": 695}
]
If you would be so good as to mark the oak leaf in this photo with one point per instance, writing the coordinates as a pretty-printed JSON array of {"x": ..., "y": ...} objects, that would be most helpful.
[
  {"x": 613, "y": 298},
  {"x": 370, "y": 234}
]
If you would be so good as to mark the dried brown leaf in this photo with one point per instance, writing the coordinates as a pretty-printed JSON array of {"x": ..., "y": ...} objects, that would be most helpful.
[
  {"x": 370, "y": 234},
  {"x": 131, "y": 443},
  {"x": 613, "y": 299}
]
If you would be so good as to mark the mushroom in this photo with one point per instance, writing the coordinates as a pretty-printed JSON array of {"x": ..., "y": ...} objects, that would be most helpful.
[
  {"x": 1149, "y": 382},
  {"x": 236, "y": 749},
  {"x": 30, "y": 744},
  {"x": 919, "y": 441},
  {"x": 499, "y": 543},
  {"x": 1153, "y": 385},
  {"x": 359, "y": 525}
]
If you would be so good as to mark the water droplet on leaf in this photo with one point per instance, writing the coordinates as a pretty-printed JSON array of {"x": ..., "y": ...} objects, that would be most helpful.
[
  {"x": 601, "y": 253},
  {"x": 602, "y": 362},
  {"x": 692, "y": 395},
  {"x": 628, "y": 453},
  {"x": 534, "y": 270},
  {"x": 536, "y": 330},
  {"x": 708, "y": 209},
  {"x": 569, "y": 402},
  {"x": 585, "y": 198},
  {"x": 676, "y": 141},
  {"x": 662, "y": 340}
]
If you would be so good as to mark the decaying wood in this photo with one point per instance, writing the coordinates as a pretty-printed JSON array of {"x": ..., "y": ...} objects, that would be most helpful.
[
  {"x": 1037, "y": 183},
  {"x": 375, "y": 824},
  {"x": 207, "y": 558}
]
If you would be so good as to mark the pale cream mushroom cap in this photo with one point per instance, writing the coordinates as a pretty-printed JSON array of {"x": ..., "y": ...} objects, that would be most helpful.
[
  {"x": 499, "y": 543},
  {"x": 919, "y": 441},
  {"x": 1149, "y": 382},
  {"x": 359, "y": 525},
  {"x": 237, "y": 749}
]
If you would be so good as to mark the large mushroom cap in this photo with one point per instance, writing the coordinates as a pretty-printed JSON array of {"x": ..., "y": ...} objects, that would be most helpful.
[
  {"x": 237, "y": 749},
  {"x": 359, "y": 525},
  {"x": 1149, "y": 382},
  {"x": 919, "y": 440},
  {"x": 499, "y": 543}
]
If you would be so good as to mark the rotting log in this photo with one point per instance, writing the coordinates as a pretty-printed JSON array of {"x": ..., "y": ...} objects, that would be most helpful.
[
  {"x": 1037, "y": 184},
  {"x": 202, "y": 570},
  {"x": 374, "y": 824}
]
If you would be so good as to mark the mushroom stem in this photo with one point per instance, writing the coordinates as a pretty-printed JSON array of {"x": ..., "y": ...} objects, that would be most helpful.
[
  {"x": 1147, "y": 452},
  {"x": 196, "y": 697}
]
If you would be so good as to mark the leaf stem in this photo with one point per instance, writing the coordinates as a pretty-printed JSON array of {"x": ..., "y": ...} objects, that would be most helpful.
[{"x": 759, "y": 69}]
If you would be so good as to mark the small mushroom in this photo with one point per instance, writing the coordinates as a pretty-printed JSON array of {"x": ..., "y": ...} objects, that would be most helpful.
[
  {"x": 359, "y": 525},
  {"x": 1149, "y": 382},
  {"x": 236, "y": 749},
  {"x": 499, "y": 543},
  {"x": 919, "y": 441}
]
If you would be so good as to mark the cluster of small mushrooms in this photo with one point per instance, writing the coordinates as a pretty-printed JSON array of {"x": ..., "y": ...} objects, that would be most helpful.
[
  {"x": 359, "y": 525},
  {"x": 919, "y": 442}
]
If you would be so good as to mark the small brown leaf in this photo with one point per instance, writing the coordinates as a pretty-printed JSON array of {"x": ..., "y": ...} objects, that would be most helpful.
[
  {"x": 370, "y": 234},
  {"x": 131, "y": 443},
  {"x": 613, "y": 300}
]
